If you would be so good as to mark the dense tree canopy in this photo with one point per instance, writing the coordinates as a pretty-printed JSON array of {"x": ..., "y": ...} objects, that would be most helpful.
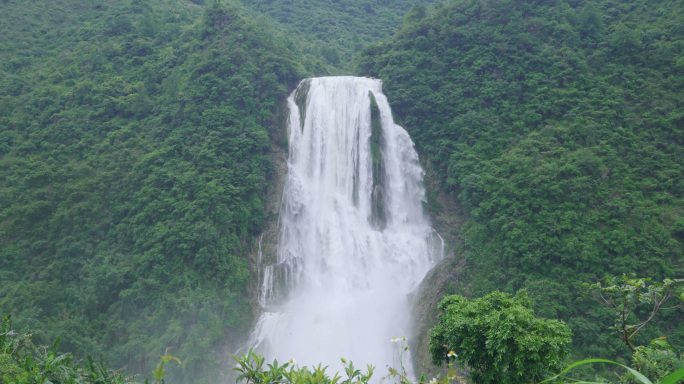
[
  {"x": 135, "y": 158},
  {"x": 333, "y": 31},
  {"x": 558, "y": 127},
  {"x": 499, "y": 338}
]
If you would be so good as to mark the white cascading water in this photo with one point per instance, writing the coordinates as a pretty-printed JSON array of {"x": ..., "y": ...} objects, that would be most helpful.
[{"x": 353, "y": 238}]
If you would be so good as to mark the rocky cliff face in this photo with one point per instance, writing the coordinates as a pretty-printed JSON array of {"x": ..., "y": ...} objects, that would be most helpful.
[
  {"x": 438, "y": 282},
  {"x": 278, "y": 178},
  {"x": 267, "y": 243},
  {"x": 445, "y": 278}
]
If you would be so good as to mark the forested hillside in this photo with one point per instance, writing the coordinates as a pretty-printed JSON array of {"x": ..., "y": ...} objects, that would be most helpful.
[
  {"x": 135, "y": 139},
  {"x": 134, "y": 144},
  {"x": 334, "y": 31},
  {"x": 559, "y": 127}
]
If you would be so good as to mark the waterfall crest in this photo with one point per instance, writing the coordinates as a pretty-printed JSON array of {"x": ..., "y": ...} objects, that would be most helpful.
[{"x": 354, "y": 240}]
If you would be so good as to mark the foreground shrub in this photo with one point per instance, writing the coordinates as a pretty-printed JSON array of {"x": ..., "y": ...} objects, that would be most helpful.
[
  {"x": 499, "y": 338},
  {"x": 23, "y": 362},
  {"x": 655, "y": 362}
]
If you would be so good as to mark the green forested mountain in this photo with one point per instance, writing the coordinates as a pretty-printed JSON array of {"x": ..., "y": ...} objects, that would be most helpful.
[
  {"x": 559, "y": 127},
  {"x": 134, "y": 138},
  {"x": 333, "y": 31}
]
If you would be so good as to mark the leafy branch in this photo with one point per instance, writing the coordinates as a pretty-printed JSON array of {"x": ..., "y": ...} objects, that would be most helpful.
[{"x": 624, "y": 294}]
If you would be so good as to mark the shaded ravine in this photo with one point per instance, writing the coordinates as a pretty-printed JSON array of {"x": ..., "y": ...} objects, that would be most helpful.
[{"x": 354, "y": 239}]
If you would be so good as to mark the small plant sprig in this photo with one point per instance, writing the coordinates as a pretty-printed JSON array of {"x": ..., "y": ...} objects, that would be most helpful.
[
  {"x": 400, "y": 348},
  {"x": 453, "y": 374},
  {"x": 159, "y": 373}
]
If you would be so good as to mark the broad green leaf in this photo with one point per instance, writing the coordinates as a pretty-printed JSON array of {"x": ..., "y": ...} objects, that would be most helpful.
[
  {"x": 636, "y": 374},
  {"x": 673, "y": 377}
]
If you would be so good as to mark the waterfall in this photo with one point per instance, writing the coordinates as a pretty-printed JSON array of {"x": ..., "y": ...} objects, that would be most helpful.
[{"x": 354, "y": 240}]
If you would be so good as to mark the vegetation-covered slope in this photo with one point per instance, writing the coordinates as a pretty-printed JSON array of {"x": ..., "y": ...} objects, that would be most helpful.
[
  {"x": 559, "y": 126},
  {"x": 333, "y": 31},
  {"x": 134, "y": 139}
]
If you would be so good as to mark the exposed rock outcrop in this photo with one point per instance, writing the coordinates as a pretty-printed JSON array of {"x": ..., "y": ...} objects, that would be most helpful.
[
  {"x": 439, "y": 280},
  {"x": 445, "y": 278}
]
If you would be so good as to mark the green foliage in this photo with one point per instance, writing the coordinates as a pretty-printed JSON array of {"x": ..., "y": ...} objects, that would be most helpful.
[
  {"x": 135, "y": 140},
  {"x": 634, "y": 375},
  {"x": 335, "y": 30},
  {"x": 23, "y": 362},
  {"x": 159, "y": 373},
  {"x": 400, "y": 374},
  {"x": 253, "y": 371},
  {"x": 556, "y": 126},
  {"x": 655, "y": 362},
  {"x": 416, "y": 13},
  {"x": 499, "y": 338},
  {"x": 623, "y": 295}
]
